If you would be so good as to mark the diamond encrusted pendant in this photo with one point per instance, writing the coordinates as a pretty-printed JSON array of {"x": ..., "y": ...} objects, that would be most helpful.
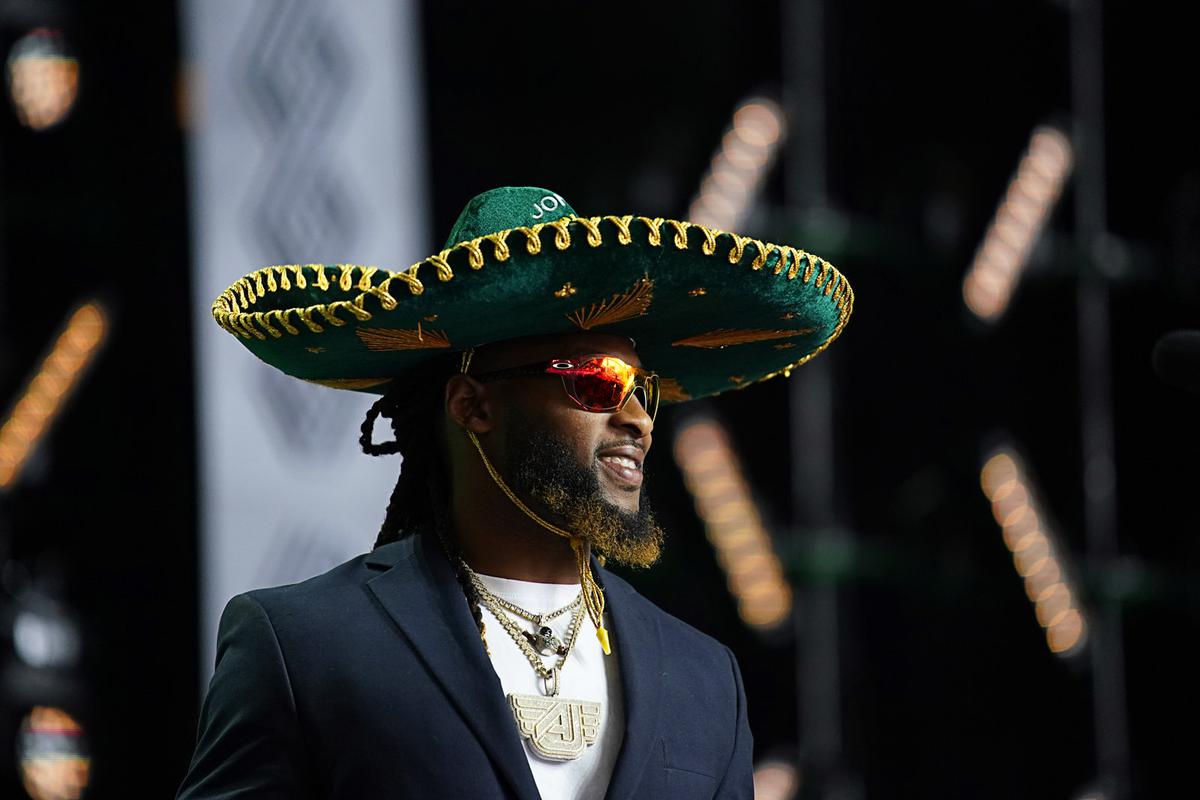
[
  {"x": 557, "y": 728},
  {"x": 544, "y": 641}
]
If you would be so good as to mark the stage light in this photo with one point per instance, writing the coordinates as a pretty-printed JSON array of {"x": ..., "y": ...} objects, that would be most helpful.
[
  {"x": 43, "y": 79},
  {"x": 53, "y": 755},
  {"x": 1028, "y": 538},
  {"x": 713, "y": 475},
  {"x": 775, "y": 779},
  {"x": 748, "y": 149},
  {"x": 1032, "y": 193},
  {"x": 47, "y": 392}
]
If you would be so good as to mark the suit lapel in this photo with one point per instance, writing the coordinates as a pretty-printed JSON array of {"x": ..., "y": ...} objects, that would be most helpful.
[
  {"x": 636, "y": 643},
  {"x": 423, "y": 598}
]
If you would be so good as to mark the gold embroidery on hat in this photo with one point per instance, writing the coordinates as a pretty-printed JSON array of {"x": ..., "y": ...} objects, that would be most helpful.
[
  {"x": 366, "y": 278},
  {"x": 566, "y": 291},
  {"x": 670, "y": 391},
  {"x": 261, "y": 319},
  {"x": 788, "y": 315},
  {"x": 281, "y": 318},
  {"x": 760, "y": 260},
  {"x": 326, "y": 311},
  {"x": 738, "y": 378},
  {"x": 592, "y": 225},
  {"x": 317, "y": 349},
  {"x": 233, "y": 309},
  {"x": 499, "y": 242},
  {"x": 784, "y": 346},
  {"x": 389, "y": 339},
  {"x": 699, "y": 291},
  {"x": 305, "y": 315},
  {"x": 431, "y": 318},
  {"x": 474, "y": 254},
  {"x": 562, "y": 232},
  {"x": 348, "y": 383},
  {"x": 622, "y": 223},
  {"x": 821, "y": 275},
  {"x": 533, "y": 239},
  {"x": 634, "y": 302},
  {"x": 346, "y": 276},
  {"x": 739, "y": 246},
  {"x": 444, "y": 272},
  {"x": 322, "y": 280},
  {"x": 655, "y": 234},
  {"x": 808, "y": 268},
  {"x": 680, "y": 233},
  {"x": 724, "y": 337}
]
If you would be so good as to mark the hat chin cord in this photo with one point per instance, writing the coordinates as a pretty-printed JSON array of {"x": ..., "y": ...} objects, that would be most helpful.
[{"x": 593, "y": 595}]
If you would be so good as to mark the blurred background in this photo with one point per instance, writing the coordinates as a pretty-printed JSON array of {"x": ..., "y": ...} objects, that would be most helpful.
[{"x": 956, "y": 554}]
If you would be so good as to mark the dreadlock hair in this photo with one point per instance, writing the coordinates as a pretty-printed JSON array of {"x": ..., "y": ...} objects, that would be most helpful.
[{"x": 421, "y": 497}]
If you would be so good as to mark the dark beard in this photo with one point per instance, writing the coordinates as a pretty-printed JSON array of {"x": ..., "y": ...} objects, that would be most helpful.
[{"x": 543, "y": 467}]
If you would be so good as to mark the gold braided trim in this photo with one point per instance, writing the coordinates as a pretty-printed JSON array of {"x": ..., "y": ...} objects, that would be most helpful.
[
  {"x": 234, "y": 308},
  {"x": 724, "y": 337}
]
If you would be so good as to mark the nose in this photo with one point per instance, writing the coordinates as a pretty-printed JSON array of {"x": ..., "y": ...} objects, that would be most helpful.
[{"x": 633, "y": 418}]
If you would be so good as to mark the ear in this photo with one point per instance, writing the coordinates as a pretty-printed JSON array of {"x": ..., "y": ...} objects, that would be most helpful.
[{"x": 467, "y": 404}]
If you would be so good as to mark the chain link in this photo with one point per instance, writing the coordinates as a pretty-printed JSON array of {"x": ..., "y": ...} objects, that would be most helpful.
[{"x": 497, "y": 606}]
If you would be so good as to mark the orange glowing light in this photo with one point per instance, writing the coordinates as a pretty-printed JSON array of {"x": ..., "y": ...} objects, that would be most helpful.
[
  {"x": 732, "y": 523},
  {"x": 47, "y": 392},
  {"x": 1032, "y": 193},
  {"x": 1025, "y": 534},
  {"x": 747, "y": 150}
]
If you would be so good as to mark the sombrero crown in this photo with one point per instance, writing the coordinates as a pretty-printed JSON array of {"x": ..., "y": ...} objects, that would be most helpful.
[{"x": 709, "y": 310}]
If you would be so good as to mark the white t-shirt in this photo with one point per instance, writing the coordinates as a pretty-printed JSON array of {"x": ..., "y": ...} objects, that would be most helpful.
[{"x": 588, "y": 674}]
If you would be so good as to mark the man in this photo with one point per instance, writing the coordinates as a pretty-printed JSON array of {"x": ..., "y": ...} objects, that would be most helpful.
[{"x": 481, "y": 650}]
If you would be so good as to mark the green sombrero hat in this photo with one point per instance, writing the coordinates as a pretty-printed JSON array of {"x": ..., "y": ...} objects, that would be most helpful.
[{"x": 709, "y": 310}]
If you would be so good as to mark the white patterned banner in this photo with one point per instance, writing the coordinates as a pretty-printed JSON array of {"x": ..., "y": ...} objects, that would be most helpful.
[{"x": 305, "y": 146}]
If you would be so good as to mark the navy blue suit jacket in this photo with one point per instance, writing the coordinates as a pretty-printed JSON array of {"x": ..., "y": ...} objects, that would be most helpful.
[{"x": 371, "y": 681}]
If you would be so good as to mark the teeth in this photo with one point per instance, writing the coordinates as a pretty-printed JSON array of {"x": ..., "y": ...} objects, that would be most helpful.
[{"x": 622, "y": 461}]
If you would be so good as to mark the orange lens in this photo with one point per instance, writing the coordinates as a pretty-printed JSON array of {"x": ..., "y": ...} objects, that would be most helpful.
[{"x": 600, "y": 384}]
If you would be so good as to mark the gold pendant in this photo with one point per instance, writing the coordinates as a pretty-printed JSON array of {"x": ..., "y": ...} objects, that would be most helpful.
[{"x": 557, "y": 728}]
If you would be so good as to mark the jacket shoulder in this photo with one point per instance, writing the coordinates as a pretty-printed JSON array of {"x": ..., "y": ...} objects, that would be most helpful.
[{"x": 344, "y": 579}]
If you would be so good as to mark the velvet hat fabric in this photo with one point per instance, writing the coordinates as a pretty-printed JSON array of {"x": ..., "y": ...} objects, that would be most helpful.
[{"x": 709, "y": 310}]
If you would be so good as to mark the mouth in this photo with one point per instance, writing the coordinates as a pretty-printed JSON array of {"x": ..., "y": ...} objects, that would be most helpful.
[{"x": 623, "y": 465}]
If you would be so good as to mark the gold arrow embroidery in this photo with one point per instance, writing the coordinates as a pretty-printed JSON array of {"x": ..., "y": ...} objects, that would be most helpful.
[
  {"x": 402, "y": 338},
  {"x": 670, "y": 391},
  {"x": 631, "y": 303},
  {"x": 723, "y": 337},
  {"x": 349, "y": 383}
]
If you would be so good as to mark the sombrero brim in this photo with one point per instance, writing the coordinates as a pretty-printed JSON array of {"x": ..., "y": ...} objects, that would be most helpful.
[{"x": 710, "y": 310}]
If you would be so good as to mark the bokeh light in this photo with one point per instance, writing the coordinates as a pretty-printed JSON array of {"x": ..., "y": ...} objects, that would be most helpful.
[
  {"x": 732, "y": 523},
  {"x": 53, "y": 756},
  {"x": 748, "y": 149},
  {"x": 43, "y": 79},
  {"x": 775, "y": 779},
  {"x": 1031, "y": 196},
  {"x": 1035, "y": 559},
  {"x": 47, "y": 393}
]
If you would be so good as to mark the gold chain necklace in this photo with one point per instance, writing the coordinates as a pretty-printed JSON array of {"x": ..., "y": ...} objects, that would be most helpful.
[{"x": 558, "y": 729}]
